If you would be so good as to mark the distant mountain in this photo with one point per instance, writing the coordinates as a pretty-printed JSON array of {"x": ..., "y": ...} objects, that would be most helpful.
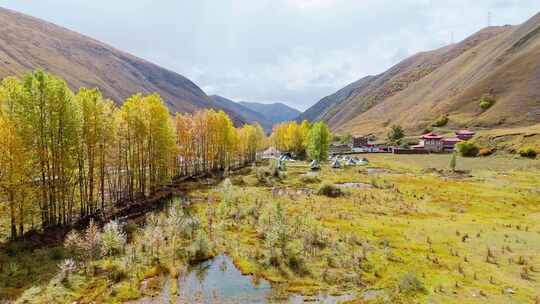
[
  {"x": 245, "y": 113},
  {"x": 27, "y": 43},
  {"x": 502, "y": 63},
  {"x": 275, "y": 112}
]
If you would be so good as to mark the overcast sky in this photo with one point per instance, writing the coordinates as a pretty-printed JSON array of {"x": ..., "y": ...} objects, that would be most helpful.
[{"x": 295, "y": 51}]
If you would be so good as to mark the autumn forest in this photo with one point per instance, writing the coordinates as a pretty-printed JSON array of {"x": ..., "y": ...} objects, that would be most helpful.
[{"x": 65, "y": 156}]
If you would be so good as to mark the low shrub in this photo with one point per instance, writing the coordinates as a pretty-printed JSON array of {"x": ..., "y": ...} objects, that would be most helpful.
[
  {"x": 486, "y": 102},
  {"x": 309, "y": 179},
  {"x": 380, "y": 183},
  {"x": 441, "y": 121},
  {"x": 267, "y": 175},
  {"x": 409, "y": 284},
  {"x": 15, "y": 248},
  {"x": 294, "y": 258},
  {"x": 275, "y": 167},
  {"x": 66, "y": 268},
  {"x": 263, "y": 175},
  {"x": 467, "y": 149},
  {"x": 201, "y": 248},
  {"x": 113, "y": 239},
  {"x": 453, "y": 161},
  {"x": 427, "y": 130},
  {"x": 116, "y": 275},
  {"x": 56, "y": 253},
  {"x": 329, "y": 189},
  {"x": 528, "y": 152},
  {"x": 486, "y": 151}
]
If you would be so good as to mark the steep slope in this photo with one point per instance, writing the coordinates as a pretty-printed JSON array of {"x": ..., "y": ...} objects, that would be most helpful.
[
  {"x": 327, "y": 106},
  {"x": 275, "y": 112},
  {"x": 505, "y": 67},
  {"x": 27, "y": 43},
  {"x": 245, "y": 113},
  {"x": 499, "y": 61}
]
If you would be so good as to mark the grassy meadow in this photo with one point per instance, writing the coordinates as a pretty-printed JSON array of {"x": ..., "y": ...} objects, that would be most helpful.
[
  {"x": 403, "y": 229},
  {"x": 416, "y": 232}
]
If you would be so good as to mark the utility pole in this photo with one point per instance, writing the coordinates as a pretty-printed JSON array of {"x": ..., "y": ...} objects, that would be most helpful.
[
  {"x": 452, "y": 37},
  {"x": 489, "y": 19}
]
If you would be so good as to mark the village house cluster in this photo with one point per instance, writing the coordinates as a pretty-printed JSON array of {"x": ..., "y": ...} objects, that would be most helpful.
[
  {"x": 428, "y": 143},
  {"x": 432, "y": 142}
]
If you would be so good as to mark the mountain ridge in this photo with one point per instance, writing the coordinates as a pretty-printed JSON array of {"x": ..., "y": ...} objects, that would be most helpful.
[
  {"x": 276, "y": 112},
  {"x": 247, "y": 114},
  {"x": 446, "y": 81},
  {"x": 28, "y": 43}
]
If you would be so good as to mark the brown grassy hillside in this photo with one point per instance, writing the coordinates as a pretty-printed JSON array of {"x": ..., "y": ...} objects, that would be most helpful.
[
  {"x": 502, "y": 62},
  {"x": 27, "y": 43}
]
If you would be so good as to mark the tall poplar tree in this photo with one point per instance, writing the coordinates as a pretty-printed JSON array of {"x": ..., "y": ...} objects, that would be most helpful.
[{"x": 318, "y": 142}]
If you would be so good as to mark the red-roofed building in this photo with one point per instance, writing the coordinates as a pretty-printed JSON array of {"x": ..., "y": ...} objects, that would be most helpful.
[
  {"x": 465, "y": 134},
  {"x": 431, "y": 142},
  {"x": 449, "y": 144}
]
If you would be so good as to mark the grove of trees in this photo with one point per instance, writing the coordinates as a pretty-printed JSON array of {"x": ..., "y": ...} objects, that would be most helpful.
[
  {"x": 64, "y": 156},
  {"x": 291, "y": 136},
  {"x": 304, "y": 140}
]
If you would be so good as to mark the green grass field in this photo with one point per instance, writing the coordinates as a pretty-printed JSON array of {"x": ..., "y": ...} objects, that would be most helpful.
[
  {"x": 410, "y": 232},
  {"x": 469, "y": 237}
]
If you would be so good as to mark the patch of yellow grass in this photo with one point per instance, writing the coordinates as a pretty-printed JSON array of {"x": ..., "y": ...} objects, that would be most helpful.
[{"x": 437, "y": 227}]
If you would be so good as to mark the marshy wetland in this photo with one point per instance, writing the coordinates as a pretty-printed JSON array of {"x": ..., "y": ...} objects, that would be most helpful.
[{"x": 403, "y": 229}]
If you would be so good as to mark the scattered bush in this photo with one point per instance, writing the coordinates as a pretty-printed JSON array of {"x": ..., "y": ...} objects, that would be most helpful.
[
  {"x": 201, "y": 248},
  {"x": 380, "y": 183},
  {"x": 453, "y": 162},
  {"x": 528, "y": 152},
  {"x": 267, "y": 175},
  {"x": 87, "y": 245},
  {"x": 441, "y": 121},
  {"x": 295, "y": 259},
  {"x": 427, "y": 130},
  {"x": 486, "y": 102},
  {"x": 56, "y": 253},
  {"x": 227, "y": 190},
  {"x": 405, "y": 145},
  {"x": 344, "y": 139},
  {"x": 113, "y": 239},
  {"x": 486, "y": 151},
  {"x": 309, "y": 179},
  {"x": 73, "y": 242},
  {"x": 15, "y": 248},
  {"x": 312, "y": 231},
  {"x": 329, "y": 189},
  {"x": 67, "y": 267},
  {"x": 115, "y": 274},
  {"x": 467, "y": 149},
  {"x": 409, "y": 283},
  {"x": 92, "y": 241},
  {"x": 396, "y": 134}
]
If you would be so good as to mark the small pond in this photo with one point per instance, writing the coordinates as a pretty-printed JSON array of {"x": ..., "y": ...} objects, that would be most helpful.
[
  {"x": 377, "y": 170},
  {"x": 355, "y": 185},
  {"x": 219, "y": 281}
]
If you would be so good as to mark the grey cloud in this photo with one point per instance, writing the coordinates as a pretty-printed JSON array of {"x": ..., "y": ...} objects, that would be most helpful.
[{"x": 296, "y": 51}]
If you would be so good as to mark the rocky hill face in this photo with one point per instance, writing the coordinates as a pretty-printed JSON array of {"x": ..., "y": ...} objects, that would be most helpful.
[
  {"x": 27, "y": 43},
  {"x": 501, "y": 63}
]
